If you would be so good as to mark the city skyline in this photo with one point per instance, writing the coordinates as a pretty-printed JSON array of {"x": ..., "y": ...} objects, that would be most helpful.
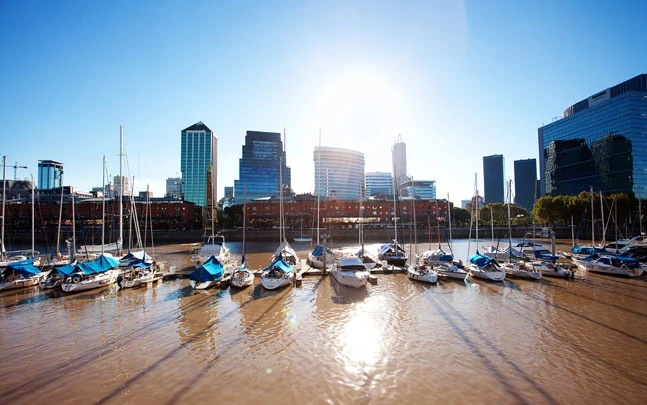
[{"x": 457, "y": 80}]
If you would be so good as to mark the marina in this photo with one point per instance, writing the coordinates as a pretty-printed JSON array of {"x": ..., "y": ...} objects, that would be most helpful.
[{"x": 552, "y": 340}]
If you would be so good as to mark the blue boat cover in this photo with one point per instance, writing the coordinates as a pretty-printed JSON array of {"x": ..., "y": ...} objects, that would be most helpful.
[
  {"x": 22, "y": 262},
  {"x": 280, "y": 265},
  {"x": 141, "y": 265},
  {"x": 318, "y": 251},
  {"x": 630, "y": 262},
  {"x": 102, "y": 264},
  {"x": 65, "y": 270},
  {"x": 480, "y": 260},
  {"x": 211, "y": 270},
  {"x": 587, "y": 250},
  {"x": 394, "y": 247},
  {"x": 25, "y": 269}
]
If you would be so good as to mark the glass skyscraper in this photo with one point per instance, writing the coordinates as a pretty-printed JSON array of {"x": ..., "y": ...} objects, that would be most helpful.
[
  {"x": 379, "y": 184},
  {"x": 339, "y": 173},
  {"x": 50, "y": 174},
  {"x": 599, "y": 142},
  {"x": 493, "y": 179},
  {"x": 199, "y": 148},
  {"x": 258, "y": 169},
  {"x": 525, "y": 183}
]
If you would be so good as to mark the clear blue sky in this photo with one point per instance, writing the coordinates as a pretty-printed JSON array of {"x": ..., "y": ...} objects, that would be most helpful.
[{"x": 458, "y": 80}]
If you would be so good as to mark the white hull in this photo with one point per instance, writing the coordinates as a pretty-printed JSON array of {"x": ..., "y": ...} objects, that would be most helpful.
[
  {"x": 95, "y": 281},
  {"x": 203, "y": 285},
  {"x": 272, "y": 283},
  {"x": 491, "y": 275},
  {"x": 549, "y": 269},
  {"x": 242, "y": 278},
  {"x": 451, "y": 271},
  {"x": 606, "y": 269},
  {"x": 137, "y": 281},
  {"x": 515, "y": 270},
  {"x": 20, "y": 283},
  {"x": 355, "y": 279},
  {"x": 424, "y": 274},
  {"x": 318, "y": 263}
]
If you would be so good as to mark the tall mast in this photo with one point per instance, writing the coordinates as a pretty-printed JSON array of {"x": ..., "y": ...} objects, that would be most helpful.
[
  {"x": 4, "y": 186},
  {"x": 604, "y": 231},
  {"x": 476, "y": 204},
  {"x": 60, "y": 216},
  {"x": 449, "y": 217},
  {"x": 395, "y": 214},
  {"x": 592, "y": 221},
  {"x": 318, "y": 184},
  {"x": 103, "y": 205},
  {"x": 242, "y": 264},
  {"x": 280, "y": 200},
  {"x": 33, "y": 230},
  {"x": 509, "y": 190},
  {"x": 121, "y": 191}
]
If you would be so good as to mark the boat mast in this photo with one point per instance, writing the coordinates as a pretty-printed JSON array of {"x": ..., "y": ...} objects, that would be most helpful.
[
  {"x": 280, "y": 200},
  {"x": 121, "y": 192},
  {"x": 103, "y": 205},
  {"x": 415, "y": 234},
  {"x": 602, "y": 215},
  {"x": 318, "y": 184},
  {"x": 60, "y": 216},
  {"x": 4, "y": 186},
  {"x": 449, "y": 217},
  {"x": 509, "y": 190},
  {"x": 33, "y": 230},
  {"x": 242, "y": 264},
  {"x": 395, "y": 214},
  {"x": 592, "y": 221},
  {"x": 476, "y": 203}
]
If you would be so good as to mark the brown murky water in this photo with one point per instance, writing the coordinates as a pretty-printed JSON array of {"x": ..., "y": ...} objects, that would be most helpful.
[{"x": 553, "y": 341}]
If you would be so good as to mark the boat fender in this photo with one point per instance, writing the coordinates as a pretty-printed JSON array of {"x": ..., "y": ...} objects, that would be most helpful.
[{"x": 76, "y": 279}]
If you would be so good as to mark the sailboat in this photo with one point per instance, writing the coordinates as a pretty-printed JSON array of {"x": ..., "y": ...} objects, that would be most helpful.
[
  {"x": 215, "y": 244},
  {"x": 89, "y": 275},
  {"x": 479, "y": 265},
  {"x": 280, "y": 272},
  {"x": 393, "y": 253},
  {"x": 518, "y": 268},
  {"x": 207, "y": 275},
  {"x": 320, "y": 257},
  {"x": 443, "y": 262},
  {"x": 20, "y": 274},
  {"x": 420, "y": 271},
  {"x": 242, "y": 276}
]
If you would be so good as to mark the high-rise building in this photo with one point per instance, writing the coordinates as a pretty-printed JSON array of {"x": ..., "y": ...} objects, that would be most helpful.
[
  {"x": 173, "y": 187},
  {"x": 379, "y": 184},
  {"x": 400, "y": 175},
  {"x": 339, "y": 173},
  {"x": 50, "y": 174},
  {"x": 117, "y": 186},
  {"x": 199, "y": 147},
  {"x": 262, "y": 164},
  {"x": 420, "y": 189},
  {"x": 525, "y": 181},
  {"x": 599, "y": 142},
  {"x": 493, "y": 179}
]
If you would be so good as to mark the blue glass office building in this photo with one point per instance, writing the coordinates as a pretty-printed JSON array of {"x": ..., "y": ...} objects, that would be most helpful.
[
  {"x": 599, "y": 142},
  {"x": 50, "y": 174},
  {"x": 339, "y": 173},
  {"x": 263, "y": 156},
  {"x": 493, "y": 179},
  {"x": 199, "y": 147},
  {"x": 525, "y": 183}
]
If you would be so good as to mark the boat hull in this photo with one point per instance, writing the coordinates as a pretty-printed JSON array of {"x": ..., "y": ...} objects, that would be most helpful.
[
  {"x": 450, "y": 271},
  {"x": 272, "y": 283},
  {"x": 606, "y": 269},
  {"x": 98, "y": 281},
  {"x": 242, "y": 278},
  {"x": 20, "y": 283},
  {"x": 490, "y": 275},
  {"x": 425, "y": 275},
  {"x": 355, "y": 279}
]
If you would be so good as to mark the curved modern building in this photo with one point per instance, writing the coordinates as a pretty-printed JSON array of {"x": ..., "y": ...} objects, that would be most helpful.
[
  {"x": 339, "y": 173},
  {"x": 599, "y": 142}
]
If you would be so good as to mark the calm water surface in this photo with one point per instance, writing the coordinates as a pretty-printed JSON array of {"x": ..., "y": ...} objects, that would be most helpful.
[{"x": 553, "y": 341}]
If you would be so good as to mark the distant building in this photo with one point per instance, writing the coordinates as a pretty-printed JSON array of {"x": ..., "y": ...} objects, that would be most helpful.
[
  {"x": 173, "y": 188},
  {"x": 493, "y": 179},
  {"x": 379, "y": 184},
  {"x": 229, "y": 192},
  {"x": 199, "y": 146},
  {"x": 339, "y": 173},
  {"x": 262, "y": 164},
  {"x": 50, "y": 174},
  {"x": 468, "y": 204},
  {"x": 525, "y": 181},
  {"x": 117, "y": 189},
  {"x": 598, "y": 142},
  {"x": 420, "y": 189},
  {"x": 400, "y": 175}
]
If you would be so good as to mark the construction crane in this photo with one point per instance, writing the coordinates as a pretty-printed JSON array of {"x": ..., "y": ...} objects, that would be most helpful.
[{"x": 15, "y": 170}]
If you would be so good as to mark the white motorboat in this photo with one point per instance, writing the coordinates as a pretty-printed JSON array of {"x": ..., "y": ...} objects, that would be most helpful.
[
  {"x": 351, "y": 271},
  {"x": 278, "y": 274},
  {"x": 422, "y": 272},
  {"x": 608, "y": 264}
]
